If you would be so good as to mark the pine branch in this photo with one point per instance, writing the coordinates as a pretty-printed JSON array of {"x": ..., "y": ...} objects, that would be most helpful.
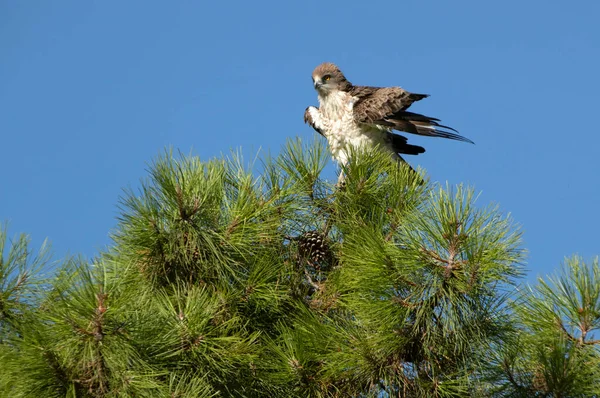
[{"x": 224, "y": 283}]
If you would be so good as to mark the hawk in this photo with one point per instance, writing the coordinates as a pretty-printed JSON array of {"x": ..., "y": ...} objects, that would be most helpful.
[{"x": 362, "y": 116}]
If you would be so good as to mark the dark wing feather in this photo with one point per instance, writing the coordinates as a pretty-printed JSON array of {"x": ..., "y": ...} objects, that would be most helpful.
[
  {"x": 421, "y": 125},
  {"x": 400, "y": 145},
  {"x": 387, "y": 107}
]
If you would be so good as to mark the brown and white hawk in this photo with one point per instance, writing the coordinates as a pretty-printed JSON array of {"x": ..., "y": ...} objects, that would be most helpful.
[{"x": 362, "y": 116}]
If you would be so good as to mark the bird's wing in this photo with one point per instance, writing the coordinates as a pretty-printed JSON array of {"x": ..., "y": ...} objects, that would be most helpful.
[
  {"x": 387, "y": 107},
  {"x": 375, "y": 103},
  {"x": 311, "y": 116}
]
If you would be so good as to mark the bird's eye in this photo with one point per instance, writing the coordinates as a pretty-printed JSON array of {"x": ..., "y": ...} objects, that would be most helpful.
[{"x": 326, "y": 78}]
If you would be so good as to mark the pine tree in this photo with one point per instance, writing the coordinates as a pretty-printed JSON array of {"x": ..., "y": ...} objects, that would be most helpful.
[
  {"x": 555, "y": 348},
  {"x": 227, "y": 279}
]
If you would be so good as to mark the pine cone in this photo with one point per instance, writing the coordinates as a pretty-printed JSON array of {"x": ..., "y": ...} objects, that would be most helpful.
[{"x": 313, "y": 246}]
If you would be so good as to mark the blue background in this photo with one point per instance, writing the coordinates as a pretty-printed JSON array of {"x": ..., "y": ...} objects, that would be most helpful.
[{"x": 92, "y": 91}]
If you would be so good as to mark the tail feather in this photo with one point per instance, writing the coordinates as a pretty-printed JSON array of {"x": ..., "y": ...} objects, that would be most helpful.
[
  {"x": 435, "y": 130},
  {"x": 423, "y": 125}
]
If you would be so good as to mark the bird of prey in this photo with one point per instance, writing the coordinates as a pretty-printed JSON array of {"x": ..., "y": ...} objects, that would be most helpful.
[{"x": 362, "y": 116}]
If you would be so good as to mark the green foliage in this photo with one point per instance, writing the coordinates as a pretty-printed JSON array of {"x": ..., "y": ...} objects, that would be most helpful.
[
  {"x": 19, "y": 280},
  {"x": 226, "y": 282},
  {"x": 426, "y": 292},
  {"x": 556, "y": 348}
]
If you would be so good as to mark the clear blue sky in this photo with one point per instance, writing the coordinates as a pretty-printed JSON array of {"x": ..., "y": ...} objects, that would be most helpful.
[{"x": 91, "y": 91}]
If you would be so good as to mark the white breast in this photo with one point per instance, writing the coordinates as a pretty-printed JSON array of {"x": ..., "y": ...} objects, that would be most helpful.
[{"x": 342, "y": 131}]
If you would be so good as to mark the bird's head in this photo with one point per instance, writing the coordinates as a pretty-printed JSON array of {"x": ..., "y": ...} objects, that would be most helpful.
[{"x": 327, "y": 78}]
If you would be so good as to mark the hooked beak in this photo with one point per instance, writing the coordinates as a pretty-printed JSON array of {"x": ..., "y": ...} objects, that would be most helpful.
[{"x": 317, "y": 84}]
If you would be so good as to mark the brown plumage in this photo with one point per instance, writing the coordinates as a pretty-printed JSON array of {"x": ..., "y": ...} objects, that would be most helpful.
[
  {"x": 382, "y": 106},
  {"x": 336, "y": 75}
]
